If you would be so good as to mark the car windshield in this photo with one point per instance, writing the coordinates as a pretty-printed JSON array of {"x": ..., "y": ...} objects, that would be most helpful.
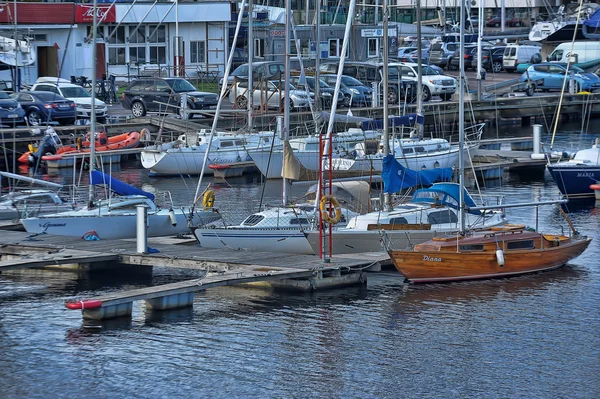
[
  {"x": 181, "y": 86},
  {"x": 75, "y": 92},
  {"x": 4, "y": 95},
  {"x": 427, "y": 70},
  {"x": 350, "y": 81}
]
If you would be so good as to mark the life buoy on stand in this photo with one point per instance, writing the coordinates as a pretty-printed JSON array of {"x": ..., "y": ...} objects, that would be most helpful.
[
  {"x": 208, "y": 199},
  {"x": 327, "y": 217}
]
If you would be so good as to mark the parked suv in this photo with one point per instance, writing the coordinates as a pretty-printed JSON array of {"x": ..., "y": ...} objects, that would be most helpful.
[
  {"x": 491, "y": 59},
  {"x": 164, "y": 95},
  {"x": 354, "y": 91},
  {"x": 265, "y": 70},
  {"x": 326, "y": 92},
  {"x": 433, "y": 83},
  {"x": 440, "y": 52},
  {"x": 75, "y": 93},
  {"x": 454, "y": 60}
]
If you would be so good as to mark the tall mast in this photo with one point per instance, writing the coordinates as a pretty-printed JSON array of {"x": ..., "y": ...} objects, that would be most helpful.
[
  {"x": 93, "y": 103},
  {"x": 386, "y": 121},
  {"x": 317, "y": 89},
  {"x": 286, "y": 90},
  {"x": 461, "y": 120},
  {"x": 250, "y": 103},
  {"x": 419, "y": 69}
]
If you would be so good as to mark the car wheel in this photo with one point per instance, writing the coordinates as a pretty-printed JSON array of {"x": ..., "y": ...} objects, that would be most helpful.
[
  {"x": 426, "y": 93},
  {"x": 530, "y": 90},
  {"x": 34, "y": 118},
  {"x": 138, "y": 109},
  {"x": 241, "y": 102},
  {"x": 497, "y": 25},
  {"x": 291, "y": 104},
  {"x": 392, "y": 96},
  {"x": 497, "y": 67}
]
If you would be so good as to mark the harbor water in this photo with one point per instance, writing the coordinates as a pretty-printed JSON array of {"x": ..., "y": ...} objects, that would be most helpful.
[{"x": 534, "y": 336}]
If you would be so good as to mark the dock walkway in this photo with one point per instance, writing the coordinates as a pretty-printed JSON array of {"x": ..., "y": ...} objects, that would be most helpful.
[{"x": 297, "y": 272}]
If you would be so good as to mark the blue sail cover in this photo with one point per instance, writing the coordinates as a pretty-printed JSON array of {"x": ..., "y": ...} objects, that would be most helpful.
[
  {"x": 591, "y": 26},
  {"x": 119, "y": 187},
  {"x": 396, "y": 177},
  {"x": 444, "y": 194},
  {"x": 406, "y": 120}
]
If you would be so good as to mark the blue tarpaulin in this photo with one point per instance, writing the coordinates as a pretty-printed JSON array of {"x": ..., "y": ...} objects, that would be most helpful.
[
  {"x": 119, "y": 187},
  {"x": 396, "y": 177},
  {"x": 406, "y": 120},
  {"x": 594, "y": 20}
]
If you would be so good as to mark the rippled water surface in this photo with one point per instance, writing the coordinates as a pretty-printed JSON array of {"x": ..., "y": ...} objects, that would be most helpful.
[{"x": 534, "y": 336}]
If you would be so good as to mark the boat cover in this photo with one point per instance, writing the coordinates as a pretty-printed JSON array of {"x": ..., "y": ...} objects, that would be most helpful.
[
  {"x": 406, "y": 120},
  {"x": 444, "y": 194},
  {"x": 591, "y": 26},
  {"x": 396, "y": 177},
  {"x": 117, "y": 186}
]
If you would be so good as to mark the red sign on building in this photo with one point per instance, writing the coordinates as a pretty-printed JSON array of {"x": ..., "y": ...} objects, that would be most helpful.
[{"x": 85, "y": 13}]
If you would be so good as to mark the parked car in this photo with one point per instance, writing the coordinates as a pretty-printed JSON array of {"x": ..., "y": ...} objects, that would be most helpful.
[
  {"x": 326, "y": 92},
  {"x": 270, "y": 91},
  {"x": 496, "y": 22},
  {"x": 554, "y": 74},
  {"x": 402, "y": 51},
  {"x": 454, "y": 60},
  {"x": 43, "y": 106},
  {"x": 579, "y": 52},
  {"x": 433, "y": 83},
  {"x": 440, "y": 52},
  {"x": 491, "y": 59},
  {"x": 73, "y": 92},
  {"x": 11, "y": 112},
  {"x": 265, "y": 70},
  {"x": 515, "y": 54},
  {"x": 355, "y": 92},
  {"x": 240, "y": 56},
  {"x": 164, "y": 95}
]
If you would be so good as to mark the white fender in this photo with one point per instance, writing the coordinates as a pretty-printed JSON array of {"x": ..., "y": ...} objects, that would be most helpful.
[
  {"x": 500, "y": 257},
  {"x": 172, "y": 217}
]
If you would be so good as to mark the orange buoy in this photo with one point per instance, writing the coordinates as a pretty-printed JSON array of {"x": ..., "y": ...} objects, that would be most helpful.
[{"x": 83, "y": 305}]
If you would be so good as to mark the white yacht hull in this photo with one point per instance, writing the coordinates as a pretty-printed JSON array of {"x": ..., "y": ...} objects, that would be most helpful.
[
  {"x": 447, "y": 159},
  {"x": 268, "y": 240},
  {"x": 109, "y": 227},
  {"x": 178, "y": 161}
]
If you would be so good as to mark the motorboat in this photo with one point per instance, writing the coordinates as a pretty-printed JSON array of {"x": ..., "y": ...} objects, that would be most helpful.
[
  {"x": 27, "y": 203},
  {"x": 562, "y": 26},
  {"x": 574, "y": 177},
  {"x": 115, "y": 217},
  {"x": 185, "y": 154}
]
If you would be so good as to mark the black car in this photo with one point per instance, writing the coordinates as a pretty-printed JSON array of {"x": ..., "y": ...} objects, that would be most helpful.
[
  {"x": 454, "y": 60},
  {"x": 163, "y": 95},
  {"x": 44, "y": 106},
  {"x": 355, "y": 93},
  {"x": 491, "y": 58},
  {"x": 326, "y": 91}
]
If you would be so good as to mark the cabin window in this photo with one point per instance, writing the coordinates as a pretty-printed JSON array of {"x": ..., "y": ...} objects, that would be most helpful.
[
  {"x": 523, "y": 244},
  {"x": 407, "y": 151},
  {"x": 239, "y": 143},
  {"x": 476, "y": 247},
  {"x": 442, "y": 217},
  {"x": 253, "y": 220},
  {"x": 299, "y": 221},
  {"x": 398, "y": 221},
  {"x": 420, "y": 149},
  {"x": 226, "y": 144}
]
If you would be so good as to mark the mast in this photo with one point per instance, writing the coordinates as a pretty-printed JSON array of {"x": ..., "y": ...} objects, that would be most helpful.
[
  {"x": 93, "y": 104},
  {"x": 479, "y": 35},
  {"x": 419, "y": 69},
  {"x": 317, "y": 89},
  {"x": 250, "y": 103},
  {"x": 286, "y": 88},
  {"x": 461, "y": 121},
  {"x": 386, "y": 121}
]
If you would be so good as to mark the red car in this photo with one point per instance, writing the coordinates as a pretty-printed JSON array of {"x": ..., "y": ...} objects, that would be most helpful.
[{"x": 496, "y": 22}]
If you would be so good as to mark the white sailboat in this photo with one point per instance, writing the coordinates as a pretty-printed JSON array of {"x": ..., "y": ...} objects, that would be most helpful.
[
  {"x": 115, "y": 217},
  {"x": 17, "y": 53}
]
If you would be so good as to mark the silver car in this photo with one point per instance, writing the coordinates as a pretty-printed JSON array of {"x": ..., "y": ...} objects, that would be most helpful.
[{"x": 269, "y": 94}]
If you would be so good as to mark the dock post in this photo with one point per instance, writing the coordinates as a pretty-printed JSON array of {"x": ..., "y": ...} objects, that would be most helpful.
[
  {"x": 142, "y": 233},
  {"x": 537, "y": 135}
]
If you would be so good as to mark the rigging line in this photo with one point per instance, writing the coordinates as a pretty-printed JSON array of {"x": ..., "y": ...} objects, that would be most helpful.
[{"x": 562, "y": 92}]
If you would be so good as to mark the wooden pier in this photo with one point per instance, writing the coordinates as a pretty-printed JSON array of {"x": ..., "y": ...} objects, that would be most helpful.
[{"x": 298, "y": 273}]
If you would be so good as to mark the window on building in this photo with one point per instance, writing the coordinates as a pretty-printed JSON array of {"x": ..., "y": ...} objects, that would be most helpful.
[
  {"x": 157, "y": 34},
  {"x": 137, "y": 55},
  {"x": 137, "y": 36},
  {"x": 158, "y": 55},
  {"x": 117, "y": 37},
  {"x": 259, "y": 47},
  {"x": 197, "y": 52},
  {"x": 373, "y": 47},
  {"x": 116, "y": 55},
  {"x": 334, "y": 47}
]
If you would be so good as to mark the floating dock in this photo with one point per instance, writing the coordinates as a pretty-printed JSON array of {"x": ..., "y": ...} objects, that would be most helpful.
[{"x": 298, "y": 273}]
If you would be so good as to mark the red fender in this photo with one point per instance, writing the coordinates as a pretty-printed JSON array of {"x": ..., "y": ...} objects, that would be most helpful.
[{"x": 88, "y": 304}]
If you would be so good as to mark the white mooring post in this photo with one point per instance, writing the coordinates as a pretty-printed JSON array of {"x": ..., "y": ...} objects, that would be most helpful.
[
  {"x": 537, "y": 136},
  {"x": 142, "y": 234}
]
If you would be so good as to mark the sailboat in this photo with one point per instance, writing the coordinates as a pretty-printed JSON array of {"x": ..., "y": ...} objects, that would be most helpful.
[
  {"x": 116, "y": 216},
  {"x": 502, "y": 251}
]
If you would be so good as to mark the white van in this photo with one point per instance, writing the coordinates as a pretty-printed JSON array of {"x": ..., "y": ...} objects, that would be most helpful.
[
  {"x": 515, "y": 54},
  {"x": 581, "y": 52}
]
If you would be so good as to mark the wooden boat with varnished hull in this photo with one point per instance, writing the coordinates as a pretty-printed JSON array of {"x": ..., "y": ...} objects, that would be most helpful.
[{"x": 501, "y": 252}]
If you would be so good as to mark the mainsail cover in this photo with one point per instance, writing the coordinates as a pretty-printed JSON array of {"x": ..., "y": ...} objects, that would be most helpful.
[
  {"x": 292, "y": 168},
  {"x": 117, "y": 186},
  {"x": 396, "y": 177}
]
